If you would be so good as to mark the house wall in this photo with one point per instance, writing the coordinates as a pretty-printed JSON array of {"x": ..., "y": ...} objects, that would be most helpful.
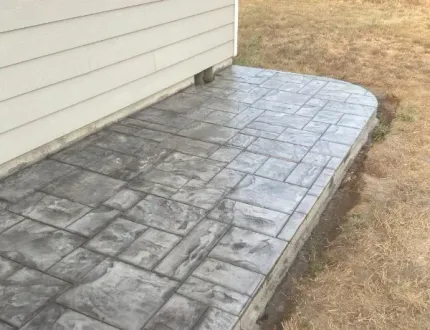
[{"x": 67, "y": 64}]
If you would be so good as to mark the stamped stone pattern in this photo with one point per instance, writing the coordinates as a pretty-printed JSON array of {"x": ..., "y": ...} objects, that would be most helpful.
[{"x": 175, "y": 217}]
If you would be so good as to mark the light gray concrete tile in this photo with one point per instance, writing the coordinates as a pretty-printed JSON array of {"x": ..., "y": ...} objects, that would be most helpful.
[
  {"x": 248, "y": 216},
  {"x": 244, "y": 118},
  {"x": 287, "y": 97},
  {"x": 143, "y": 163},
  {"x": 85, "y": 187},
  {"x": 352, "y": 109},
  {"x": 328, "y": 117},
  {"x": 76, "y": 265},
  {"x": 219, "y": 117},
  {"x": 316, "y": 159},
  {"x": 344, "y": 87},
  {"x": 248, "y": 249},
  {"x": 292, "y": 226},
  {"x": 266, "y": 127},
  {"x": 307, "y": 204},
  {"x": 313, "y": 87},
  {"x": 92, "y": 222},
  {"x": 308, "y": 111},
  {"x": 165, "y": 214},
  {"x": 299, "y": 137},
  {"x": 225, "y": 154},
  {"x": 226, "y": 178},
  {"x": 8, "y": 219},
  {"x": 179, "y": 313},
  {"x": 232, "y": 277},
  {"x": 215, "y": 319},
  {"x": 291, "y": 87},
  {"x": 292, "y": 77},
  {"x": 288, "y": 151},
  {"x": 276, "y": 169},
  {"x": 36, "y": 245},
  {"x": 116, "y": 237},
  {"x": 189, "y": 146},
  {"x": 325, "y": 177},
  {"x": 162, "y": 117},
  {"x": 162, "y": 177},
  {"x": 268, "y": 193},
  {"x": 334, "y": 163},
  {"x": 133, "y": 122},
  {"x": 149, "y": 248},
  {"x": 49, "y": 209},
  {"x": 208, "y": 132},
  {"x": 7, "y": 267},
  {"x": 316, "y": 127},
  {"x": 316, "y": 102},
  {"x": 124, "y": 199},
  {"x": 247, "y": 162},
  {"x": 330, "y": 148},
  {"x": 214, "y": 295},
  {"x": 25, "y": 182},
  {"x": 272, "y": 84},
  {"x": 57, "y": 317},
  {"x": 3, "y": 205},
  {"x": 193, "y": 167},
  {"x": 201, "y": 194},
  {"x": 369, "y": 100},
  {"x": 138, "y": 294},
  {"x": 304, "y": 175},
  {"x": 146, "y": 186},
  {"x": 4, "y": 326},
  {"x": 130, "y": 130},
  {"x": 258, "y": 133},
  {"x": 353, "y": 121},
  {"x": 127, "y": 144},
  {"x": 248, "y": 97},
  {"x": 315, "y": 190},
  {"x": 193, "y": 248},
  {"x": 333, "y": 95},
  {"x": 276, "y": 106},
  {"x": 283, "y": 119},
  {"x": 23, "y": 293},
  {"x": 241, "y": 140},
  {"x": 341, "y": 134},
  {"x": 167, "y": 129},
  {"x": 200, "y": 113},
  {"x": 224, "y": 105},
  {"x": 153, "y": 135},
  {"x": 180, "y": 102}
]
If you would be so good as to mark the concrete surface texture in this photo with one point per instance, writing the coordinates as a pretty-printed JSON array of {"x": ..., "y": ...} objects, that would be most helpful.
[{"x": 177, "y": 216}]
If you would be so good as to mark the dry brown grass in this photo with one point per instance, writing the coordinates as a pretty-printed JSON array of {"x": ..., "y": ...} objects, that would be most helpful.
[{"x": 376, "y": 274}]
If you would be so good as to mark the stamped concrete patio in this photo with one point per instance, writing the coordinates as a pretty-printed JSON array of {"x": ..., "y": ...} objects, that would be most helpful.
[{"x": 185, "y": 215}]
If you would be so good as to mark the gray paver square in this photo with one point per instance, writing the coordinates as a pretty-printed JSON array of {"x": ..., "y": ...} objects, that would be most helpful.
[
  {"x": 330, "y": 149},
  {"x": 219, "y": 117},
  {"x": 248, "y": 97},
  {"x": 57, "y": 317},
  {"x": 214, "y": 295},
  {"x": 189, "y": 146},
  {"x": 276, "y": 106},
  {"x": 353, "y": 121},
  {"x": 226, "y": 178},
  {"x": 328, "y": 117},
  {"x": 272, "y": 84},
  {"x": 138, "y": 294},
  {"x": 164, "y": 128},
  {"x": 124, "y": 199},
  {"x": 247, "y": 162},
  {"x": 85, "y": 187},
  {"x": 24, "y": 292},
  {"x": 36, "y": 245},
  {"x": 291, "y": 87},
  {"x": 165, "y": 214},
  {"x": 133, "y": 122},
  {"x": 249, "y": 216},
  {"x": 152, "y": 188},
  {"x": 162, "y": 177},
  {"x": 291, "y": 226},
  {"x": 130, "y": 130},
  {"x": 316, "y": 102},
  {"x": 208, "y": 132},
  {"x": 316, "y": 159},
  {"x": 163, "y": 117},
  {"x": 258, "y": 133},
  {"x": 248, "y": 249},
  {"x": 308, "y": 111},
  {"x": 225, "y": 105},
  {"x": 193, "y": 248},
  {"x": 283, "y": 119},
  {"x": 313, "y": 87},
  {"x": 116, "y": 237},
  {"x": 334, "y": 163},
  {"x": 49, "y": 209},
  {"x": 179, "y": 313},
  {"x": 279, "y": 149},
  {"x": 77, "y": 264},
  {"x": 304, "y": 175},
  {"x": 268, "y": 193},
  {"x": 353, "y": 109},
  {"x": 341, "y": 134},
  {"x": 180, "y": 102},
  {"x": 287, "y": 97},
  {"x": 216, "y": 319},
  {"x": 92, "y": 222},
  {"x": 241, "y": 141},
  {"x": 300, "y": 137},
  {"x": 4, "y": 326},
  {"x": 244, "y": 118},
  {"x": 363, "y": 100},
  {"x": 150, "y": 134},
  {"x": 316, "y": 127},
  {"x": 225, "y": 154},
  {"x": 306, "y": 204},
  {"x": 34, "y": 177},
  {"x": 266, "y": 127},
  {"x": 339, "y": 96},
  {"x": 292, "y": 77},
  {"x": 236, "y": 278},
  {"x": 7, "y": 267},
  {"x": 127, "y": 144},
  {"x": 8, "y": 219},
  {"x": 344, "y": 87},
  {"x": 193, "y": 167},
  {"x": 276, "y": 169},
  {"x": 201, "y": 194},
  {"x": 149, "y": 248}
]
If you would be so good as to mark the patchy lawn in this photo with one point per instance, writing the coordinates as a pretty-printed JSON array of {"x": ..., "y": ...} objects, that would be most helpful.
[{"x": 376, "y": 273}]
